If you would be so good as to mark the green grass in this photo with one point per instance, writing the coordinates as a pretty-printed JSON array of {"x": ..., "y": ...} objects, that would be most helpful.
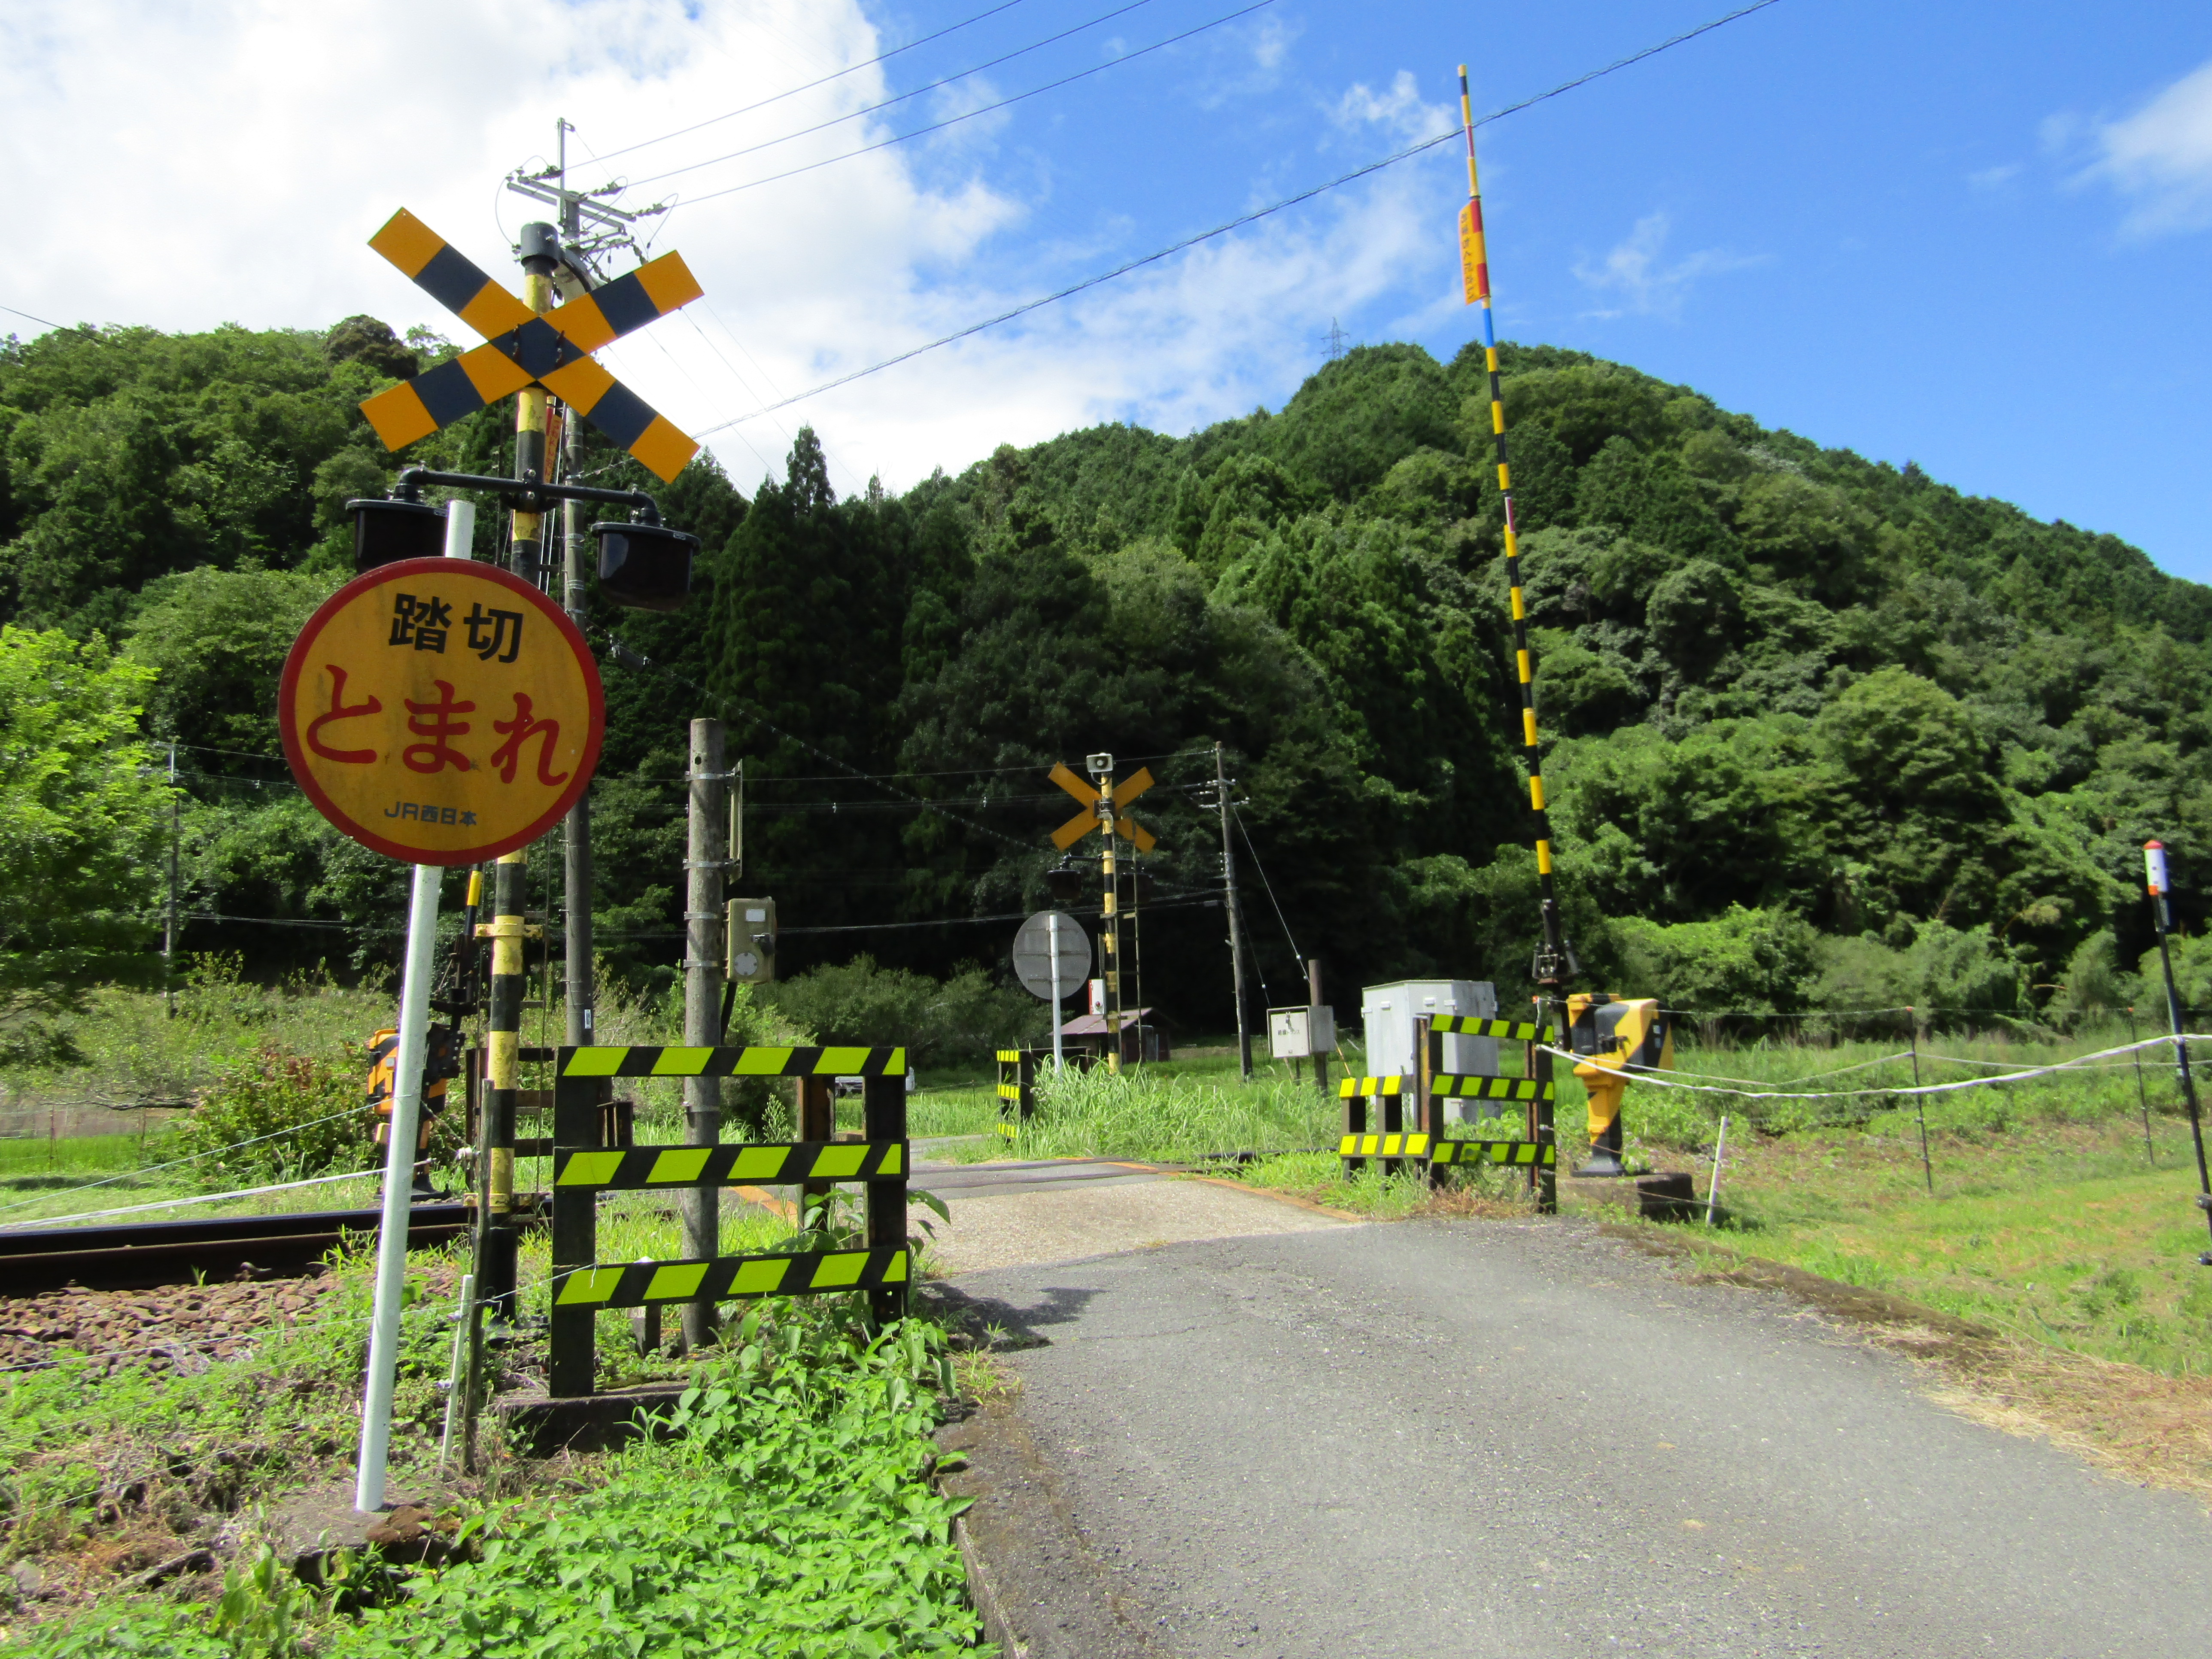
[
  {"x": 89, "y": 1464},
  {"x": 1159, "y": 1115},
  {"x": 2054, "y": 1231},
  {"x": 790, "y": 1515}
]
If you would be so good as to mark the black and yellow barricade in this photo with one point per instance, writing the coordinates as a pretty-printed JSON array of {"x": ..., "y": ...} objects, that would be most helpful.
[
  {"x": 1017, "y": 1088},
  {"x": 1356, "y": 1149},
  {"x": 732, "y": 1277},
  {"x": 657, "y": 1061},
  {"x": 584, "y": 1167},
  {"x": 1386, "y": 1097},
  {"x": 1534, "y": 1091}
]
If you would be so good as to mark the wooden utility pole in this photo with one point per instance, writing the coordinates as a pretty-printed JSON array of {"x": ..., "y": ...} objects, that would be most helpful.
[
  {"x": 1313, "y": 1003},
  {"x": 1235, "y": 920},
  {"x": 169, "y": 928},
  {"x": 702, "y": 1011}
]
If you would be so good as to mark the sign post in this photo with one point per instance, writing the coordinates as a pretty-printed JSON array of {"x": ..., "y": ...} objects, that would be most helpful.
[
  {"x": 441, "y": 712},
  {"x": 1051, "y": 953},
  {"x": 1059, "y": 1053}
]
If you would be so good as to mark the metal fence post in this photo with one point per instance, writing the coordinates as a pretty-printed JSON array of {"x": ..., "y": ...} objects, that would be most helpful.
[
  {"x": 884, "y": 1108},
  {"x": 574, "y": 1356},
  {"x": 2142, "y": 1094},
  {"x": 1427, "y": 1053},
  {"x": 1543, "y": 1179}
]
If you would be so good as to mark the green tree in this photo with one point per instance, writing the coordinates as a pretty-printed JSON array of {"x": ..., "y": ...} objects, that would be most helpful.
[{"x": 80, "y": 821}]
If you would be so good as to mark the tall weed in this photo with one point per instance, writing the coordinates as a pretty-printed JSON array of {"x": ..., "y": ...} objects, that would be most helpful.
[{"x": 1163, "y": 1118}]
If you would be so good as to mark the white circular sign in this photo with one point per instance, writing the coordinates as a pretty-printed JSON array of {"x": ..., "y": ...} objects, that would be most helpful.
[{"x": 1033, "y": 954}]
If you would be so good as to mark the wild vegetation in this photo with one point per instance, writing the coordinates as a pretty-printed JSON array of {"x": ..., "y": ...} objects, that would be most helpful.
[{"x": 1827, "y": 732}]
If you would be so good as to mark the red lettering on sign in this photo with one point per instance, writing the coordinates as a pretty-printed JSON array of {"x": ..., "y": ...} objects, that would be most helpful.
[
  {"x": 523, "y": 728},
  {"x": 340, "y": 711},
  {"x": 435, "y": 756}
]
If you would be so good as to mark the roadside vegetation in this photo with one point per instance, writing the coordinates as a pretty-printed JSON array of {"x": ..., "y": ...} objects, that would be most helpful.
[{"x": 787, "y": 1508}]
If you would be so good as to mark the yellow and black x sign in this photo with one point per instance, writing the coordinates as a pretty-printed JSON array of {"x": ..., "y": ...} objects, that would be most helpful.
[
  {"x": 1091, "y": 818},
  {"x": 521, "y": 346}
]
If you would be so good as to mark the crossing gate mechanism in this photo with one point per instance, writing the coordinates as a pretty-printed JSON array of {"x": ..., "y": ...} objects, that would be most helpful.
[
  {"x": 1424, "y": 1141},
  {"x": 583, "y": 1169}
]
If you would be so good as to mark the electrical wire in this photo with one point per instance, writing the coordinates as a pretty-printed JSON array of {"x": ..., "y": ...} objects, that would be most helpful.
[
  {"x": 631, "y": 658},
  {"x": 1019, "y": 97},
  {"x": 1297, "y": 955},
  {"x": 880, "y": 58},
  {"x": 872, "y": 109},
  {"x": 1242, "y": 219},
  {"x": 11, "y": 311}
]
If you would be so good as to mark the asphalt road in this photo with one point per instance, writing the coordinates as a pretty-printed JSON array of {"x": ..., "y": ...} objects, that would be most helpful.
[{"x": 1487, "y": 1438}]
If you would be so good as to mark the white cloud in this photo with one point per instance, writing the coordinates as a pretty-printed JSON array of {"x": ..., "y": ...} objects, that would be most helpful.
[
  {"x": 2161, "y": 157},
  {"x": 1400, "y": 109},
  {"x": 195, "y": 161},
  {"x": 1639, "y": 279},
  {"x": 1995, "y": 177}
]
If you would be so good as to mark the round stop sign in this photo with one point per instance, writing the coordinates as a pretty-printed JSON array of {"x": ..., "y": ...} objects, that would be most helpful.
[{"x": 442, "y": 711}]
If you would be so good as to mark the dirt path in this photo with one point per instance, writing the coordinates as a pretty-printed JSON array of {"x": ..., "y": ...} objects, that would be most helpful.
[{"x": 1006, "y": 1215}]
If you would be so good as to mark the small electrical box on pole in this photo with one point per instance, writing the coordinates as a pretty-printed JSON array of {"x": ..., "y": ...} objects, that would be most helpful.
[{"x": 753, "y": 941}]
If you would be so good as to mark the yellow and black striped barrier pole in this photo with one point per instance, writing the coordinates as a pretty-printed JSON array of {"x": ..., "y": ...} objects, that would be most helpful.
[{"x": 1555, "y": 962}]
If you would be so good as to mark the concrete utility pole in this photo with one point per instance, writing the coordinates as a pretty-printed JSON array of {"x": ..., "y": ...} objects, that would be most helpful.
[
  {"x": 1236, "y": 928},
  {"x": 702, "y": 1021},
  {"x": 576, "y": 828},
  {"x": 541, "y": 248}
]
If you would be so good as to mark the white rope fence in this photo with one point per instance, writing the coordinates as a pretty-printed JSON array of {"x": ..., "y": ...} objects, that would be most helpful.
[
  {"x": 179, "y": 1203},
  {"x": 1653, "y": 1076},
  {"x": 359, "y": 1111}
]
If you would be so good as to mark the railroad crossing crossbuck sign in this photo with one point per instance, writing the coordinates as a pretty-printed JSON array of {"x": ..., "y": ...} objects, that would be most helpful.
[
  {"x": 442, "y": 711},
  {"x": 522, "y": 348},
  {"x": 1092, "y": 817}
]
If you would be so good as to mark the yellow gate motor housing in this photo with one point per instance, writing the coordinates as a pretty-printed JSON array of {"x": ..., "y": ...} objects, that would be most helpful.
[{"x": 1609, "y": 1034}]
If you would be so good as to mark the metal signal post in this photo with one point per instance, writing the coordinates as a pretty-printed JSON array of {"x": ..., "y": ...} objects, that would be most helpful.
[
  {"x": 2157, "y": 884},
  {"x": 1102, "y": 811},
  {"x": 1109, "y": 923}
]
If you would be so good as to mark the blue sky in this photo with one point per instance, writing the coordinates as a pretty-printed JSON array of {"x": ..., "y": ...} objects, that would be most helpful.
[{"x": 1971, "y": 235}]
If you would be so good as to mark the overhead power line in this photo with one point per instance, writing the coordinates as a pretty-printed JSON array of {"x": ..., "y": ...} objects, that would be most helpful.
[
  {"x": 838, "y": 74},
  {"x": 1238, "y": 223},
  {"x": 903, "y": 97},
  {"x": 631, "y": 658},
  {"x": 969, "y": 115},
  {"x": 12, "y": 311}
]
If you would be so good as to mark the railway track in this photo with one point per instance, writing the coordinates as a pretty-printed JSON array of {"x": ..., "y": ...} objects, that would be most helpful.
[{"x": 147, "y": 1255}]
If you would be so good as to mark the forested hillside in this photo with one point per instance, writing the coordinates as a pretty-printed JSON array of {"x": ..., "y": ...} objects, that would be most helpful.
[{"x": 1826, "y": 733}]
